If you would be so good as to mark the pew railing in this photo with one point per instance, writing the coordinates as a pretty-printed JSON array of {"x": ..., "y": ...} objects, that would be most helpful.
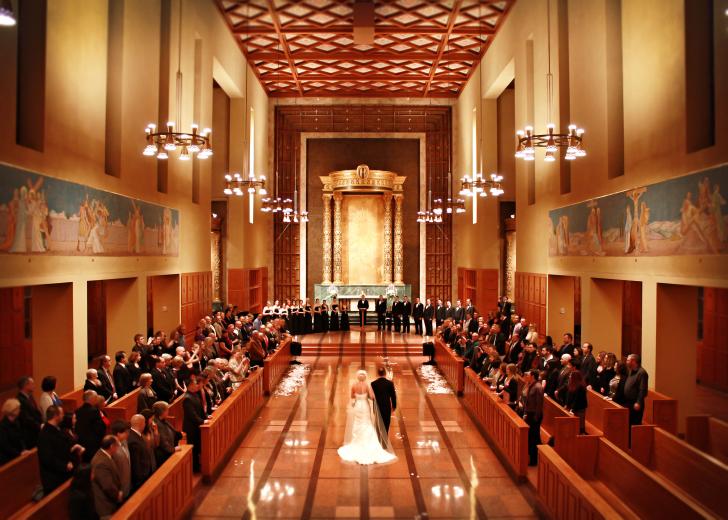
[
  {"x": 708, "y": 434},
  {"x": 502, "y": 425},
  {"x": 177, "y": 413},
  {"x": 166, "y": 494},
  {"x": 72, "y": 400},
  {"x": 609, "y": 417},
  {"x": 54, "y": 505},
  {"x": 124, "y": 407},
  {"x": 661, "y": 410},
  {"x": 451, "y": 365},
  {"x": 19, "y": 479},
  {"x": 275, "y": 365},
  {"x": 228, "y": 424}
]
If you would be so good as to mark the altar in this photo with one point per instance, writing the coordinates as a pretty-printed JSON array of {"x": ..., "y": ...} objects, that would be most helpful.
[{"x": 362, "y": 250}]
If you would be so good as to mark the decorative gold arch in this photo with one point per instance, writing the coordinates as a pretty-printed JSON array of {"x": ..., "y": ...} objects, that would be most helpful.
[{"x": 363, "y": 179}]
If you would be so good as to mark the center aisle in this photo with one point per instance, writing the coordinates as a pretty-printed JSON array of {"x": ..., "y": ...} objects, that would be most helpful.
[{"x": 287, "y": 465}]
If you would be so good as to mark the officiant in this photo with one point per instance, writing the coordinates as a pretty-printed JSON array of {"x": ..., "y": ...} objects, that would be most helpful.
[{"x": 363, "y": 306}]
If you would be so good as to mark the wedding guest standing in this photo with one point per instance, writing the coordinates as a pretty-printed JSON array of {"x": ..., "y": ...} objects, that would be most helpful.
[
  {"x": 141, "y": 456},
  {"x": 49, "y": 396},
  {"x": 533, "y": 413},
  {"x": 428, "y": 315},
  {"x": 635, "y": 389},
  {"x": 29, "y": 418},
  {"x": 194, "y": 417},
  {"x": 55, "y": 451},
  {"x": 106, "y": 480},
  {"x": 11, "y": 436}
]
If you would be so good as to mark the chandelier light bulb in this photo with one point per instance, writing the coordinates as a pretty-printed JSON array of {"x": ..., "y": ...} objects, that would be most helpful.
[
  {"x": 184, "y": 155},
  {"x": 549, "y": 157},
  {"x": 149, "y": 150},
  {"x": 162, "y": 155},
  {"x": 227, "y": 191},
  {"x": 7, "y": 18}
]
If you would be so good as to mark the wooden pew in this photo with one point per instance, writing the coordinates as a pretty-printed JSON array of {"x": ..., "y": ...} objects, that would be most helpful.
[
  {"x": 661, "y": 411},
  {"x": 54, "y": 505},
  {"x": 124, "y": 407},
  {"x": 176, "y": 413},
  {"x": 451, "y": 365},
  {"x": 167, "y": 494},
  {"x": 507, "y": 431},
  {"x": 275, "y": 365},
  {"x": 647, "y": 494},
  {"x": 699, "y": 475},
  {"x": 709, "y": 435},
  {"x": 565, "y": 494},
  {"x": 221, "y": 435},
  {"x": 578, "y": 451},
  {"x": 72, "y": 400},
  {"x": 609, "y": 417},
  {"x": 19, "y": 479}
]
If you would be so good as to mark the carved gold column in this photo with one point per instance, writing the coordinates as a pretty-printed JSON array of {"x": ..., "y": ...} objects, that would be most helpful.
[
  {"x": 387, "y": 198},
  {"x": 337, "y": 238},
  {"x": 326, "y": 275},
  {"x": 398, "y": 251}
]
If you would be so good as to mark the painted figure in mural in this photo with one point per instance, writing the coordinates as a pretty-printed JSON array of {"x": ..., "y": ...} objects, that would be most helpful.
[
  {"x": 12, "y": 219},
  {"x": 166, "y": 232},
  {"x": 19, "y": 240},
  {"x": 717, "y": 202},
  {"x": 85, "y": 221},
  {"x": 562, "y": 235},
  {"x": 45, "y": 224},
  {"x": 593, "y": 236},
  {"x": 634, "y": 230},
  {"x": 97, "y": 234},
  {"x": 35, "y": 210},
  {"x": 135, "y": 229},
  {"x": 704, "y": 200},
  {"x": 628, "y": 244},
  {"x": 644, "y": 220}
]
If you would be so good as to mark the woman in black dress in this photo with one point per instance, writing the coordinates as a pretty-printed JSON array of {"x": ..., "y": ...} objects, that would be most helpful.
[
  {"x": 307, "y": 317},
  {"x": 334, "y": 321},
  {"x": 344, "y": 318},
  {"x": 324, "y": 316},
  {"x": 317, "y": 326}
]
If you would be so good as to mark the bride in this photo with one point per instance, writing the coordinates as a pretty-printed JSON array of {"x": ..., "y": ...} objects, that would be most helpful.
[{"x": 366, "y": 440}]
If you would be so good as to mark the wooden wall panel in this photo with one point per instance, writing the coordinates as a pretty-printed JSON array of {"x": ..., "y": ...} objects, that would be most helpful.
[
  {"x": 713, "y": 349},
  {"x": 16, "y": 354},
  {"x": 434, "y": 121},
  {"x": 196, "y": 299},
  {"x": 248, "y": 288},
  {"x": 531, "y": 298},
  {"x": 631, "y": 318},
  {"x": 481, "y": 286}
]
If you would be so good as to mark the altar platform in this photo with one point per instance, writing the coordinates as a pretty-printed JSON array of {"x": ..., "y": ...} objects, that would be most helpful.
[{"x": 346, "y": 292}]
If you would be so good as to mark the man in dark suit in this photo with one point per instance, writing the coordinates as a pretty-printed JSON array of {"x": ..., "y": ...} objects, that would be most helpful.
[
  {"x": 363, "y": 306},
  {"x": 533, "y": 414},
  {"x": 440, "y": 314},
  {"x": 449, "y": 311},
  {"x": 90, "y": 427},
  {"x": 107, "y": 380},
  {"x": 160, "y": 382},
  {"x": 635, "y": 389},
  {"x": 381, "y": 308},
  {"x": 30, "y": 417},
  {"x": 588, "y": 367},
  {"x": 458, "y": 313},
  {"x": 122, "y": 377},
  {"x": 106, "y": 483},
  {"x": 386, "y": 397},
  {"x": 406, "y": 313},
  {"x": 469, "y": 309},
  {"x": 568, "y": 345},
  {"x": 418, "y": 311},
  {"x": 473, "y": 326},
  {"x": 194, "y": 417},
  {"x": 562, "y": 384},
  {"x": 428, "y": 315},
  {"x": 397, "y": 314},
  {"x": 140, "y": 453},
  {"x": 54, "y": 451}
]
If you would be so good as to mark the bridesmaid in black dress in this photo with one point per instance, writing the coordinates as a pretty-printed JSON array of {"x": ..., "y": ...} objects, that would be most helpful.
[
  {"x": 324, "y": 316},
  {"x": 334, "y": 321},
  {"x": 317, "y": 325},
  {"x": 344, "y": 316},
  {"x": 307, "y": 317}
]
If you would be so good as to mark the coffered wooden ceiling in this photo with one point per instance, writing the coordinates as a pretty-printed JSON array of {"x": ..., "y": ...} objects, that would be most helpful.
[{"x": 418, "y": 48}]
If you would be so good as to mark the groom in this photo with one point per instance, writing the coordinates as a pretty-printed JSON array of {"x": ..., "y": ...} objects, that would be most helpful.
[{"x": 386, "y": 398}]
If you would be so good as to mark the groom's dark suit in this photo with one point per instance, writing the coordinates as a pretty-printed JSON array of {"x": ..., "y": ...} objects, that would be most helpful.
[{"x": 386, "y": 399}]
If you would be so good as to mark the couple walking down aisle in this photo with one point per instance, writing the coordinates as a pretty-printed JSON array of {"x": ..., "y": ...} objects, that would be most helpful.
[{"x": 366, "y": 440}]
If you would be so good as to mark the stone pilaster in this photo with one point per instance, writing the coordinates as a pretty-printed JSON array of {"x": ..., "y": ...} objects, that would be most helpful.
[
  {"x": 398, "y": 248},
  {"x": 326, "y": 274},
  {"x": 387, "y": 199},
  {"x": 337, "y": 238}
]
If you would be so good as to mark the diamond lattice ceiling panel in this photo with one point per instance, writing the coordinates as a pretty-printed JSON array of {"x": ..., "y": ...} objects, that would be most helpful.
[{"x": 421, "y": 48}]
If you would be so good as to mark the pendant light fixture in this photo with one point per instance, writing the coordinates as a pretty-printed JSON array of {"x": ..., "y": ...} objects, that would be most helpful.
[
  {"x": 7, "y": 17},
  {"x": 161, "y": 143},
  {"x": 551, "y": 141}
]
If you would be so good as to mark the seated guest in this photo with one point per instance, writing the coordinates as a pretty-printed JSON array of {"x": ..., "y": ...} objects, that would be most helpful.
[
  {"x": 122, "y": 376},
  {"x": 90, "y": 426},
  {"x": 160, "y": 382},
  {"x": 55, "y": 451},
  {"x": 80, "y": 495},
  {"x": 49, "y": 395},
  {"x": 106, "y": 378},
  {"x": 106, "y": 479},
  {"x": 94, "y": 383},
  {"x": 122, "y": 459},
  {"x": 141, "y": 454},
  {"x": 168, "y": 436},
  {"x": 30, "y": 418},
  {"x": 11, "y": 436},
  {"x": 147, "y": 395},
  {"x": 194, "y": 416}
]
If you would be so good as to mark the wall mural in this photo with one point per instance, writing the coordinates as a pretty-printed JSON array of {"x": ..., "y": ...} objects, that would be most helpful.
[
  {"x": 44, "y": 215},
  {"x": 682, "y": 216}
]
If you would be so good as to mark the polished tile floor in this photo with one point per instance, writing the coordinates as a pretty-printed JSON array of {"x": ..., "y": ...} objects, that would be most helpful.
[{"x": 287, "y": 465}]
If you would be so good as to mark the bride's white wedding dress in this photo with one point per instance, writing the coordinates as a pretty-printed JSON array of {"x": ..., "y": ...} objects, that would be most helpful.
[{"x": 362, "y": 441}]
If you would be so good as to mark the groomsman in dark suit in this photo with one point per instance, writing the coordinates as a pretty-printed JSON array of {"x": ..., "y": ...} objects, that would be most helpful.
[
  {"x": 406, "y": 313},
  {"x": 458, "y": 313},
  {"x": 363, "y": 306},
  {"x": 397, "y": 309},
  {"x": 469, "y": 309},
  {"x": 449, "y": 311},
  {"x": 418, "y": 310},
  {"x": 429, "y": 315},
  {"x": 381, "y": 309},
  {"x": 440, "y": 313}
]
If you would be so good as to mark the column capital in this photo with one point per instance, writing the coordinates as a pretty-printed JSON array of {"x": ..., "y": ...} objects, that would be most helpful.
[
  {"x": 327, "y": 195},
  {"x": 338, "y": 196}
]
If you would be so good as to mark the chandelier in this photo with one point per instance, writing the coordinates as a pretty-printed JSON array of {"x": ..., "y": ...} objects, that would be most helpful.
[
  {"x": 286, "y": 206},
  {"x": 7, "y": 18},
  {"x": 480, "y": 186},
  {"x": 552, "y": 141},
  {"x": 162, "y": 142}
]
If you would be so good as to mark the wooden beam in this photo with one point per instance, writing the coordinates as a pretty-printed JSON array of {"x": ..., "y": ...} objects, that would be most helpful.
[
  {"x": 443, "y": 42},
  {"x": 360, "y": 55},
  {"x": 284, "y": 43},
  {"x": 347, "y": 30},
  {"x": 347, "y": 76}
]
